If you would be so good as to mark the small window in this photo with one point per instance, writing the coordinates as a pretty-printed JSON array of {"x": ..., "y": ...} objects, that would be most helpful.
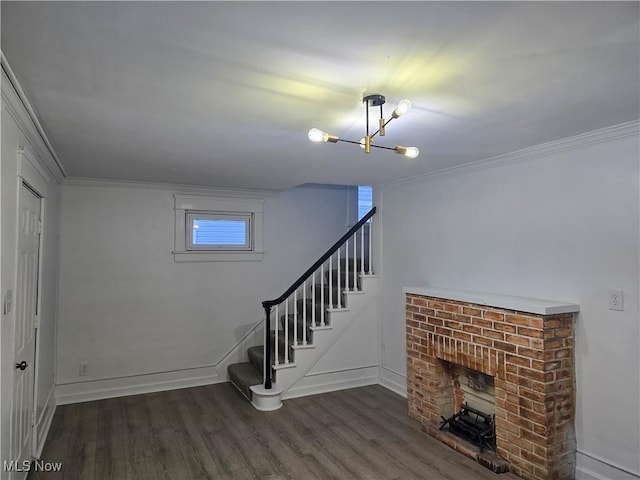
[
  {"x": 365, "y": 200},
  {"x": 217, "y": 228},
  {"x": 219, "y": 231}
]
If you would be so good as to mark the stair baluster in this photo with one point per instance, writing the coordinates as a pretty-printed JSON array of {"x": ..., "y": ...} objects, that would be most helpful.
[
  {"x": 313, "y": 299},
  {"x": 355, "y": 264},
  {"x": 362, "y": 251},
  {"x": 277, "y": 357},
  {"x": 323, "y": 312},
  {"x": 286, "y": 331},
  {"x": 331, "y": 305},
  {"x": 304, "y": 312},
  {"x": 295, "y": 318},
  {"x": 347, "y": 286},
  {"x": 370, "y": 265},
  {"x": 339, "y": 287}
]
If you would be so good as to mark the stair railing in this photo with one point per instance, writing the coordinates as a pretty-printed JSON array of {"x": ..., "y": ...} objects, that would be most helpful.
[{"x": 357, "y": 243}]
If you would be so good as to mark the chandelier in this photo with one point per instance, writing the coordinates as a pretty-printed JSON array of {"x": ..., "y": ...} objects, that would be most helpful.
[{"x": 374, "y": 100}]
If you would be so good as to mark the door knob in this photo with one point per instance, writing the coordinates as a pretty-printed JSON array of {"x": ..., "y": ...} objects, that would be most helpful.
[{"x": 22, "y": 365}]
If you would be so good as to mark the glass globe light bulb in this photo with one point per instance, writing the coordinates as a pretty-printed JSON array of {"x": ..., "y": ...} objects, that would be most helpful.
[
  {"x": 403, "y": 107},
  {"x": 317, "y": 135},
  {"x": 412, "y": 152}
]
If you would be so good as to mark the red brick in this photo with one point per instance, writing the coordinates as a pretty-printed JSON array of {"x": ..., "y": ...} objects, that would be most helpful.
[
  {"x": 531, "y": 353},
  {"x": 563, "y": 353},
  {"x": 550, "y": 366},
  {"x": 480, "y": 322},
  {"x": 511, "y": 368},
  {"x": 487, "y": 332},
  {"x": 518, "y": 380},
  {"x": 505, "y": 327},
  {"x": 471, "y": 329},
  {"x": 518, "y": 319},
  {"x": 462, "y": 318},
  {"x": 552, "y": 322},
  {"x": 536, "y": 322},
  {"x": 535, "y": 396},
  {"x": 471, "y": 311},
  {"x": 420, "y": 302},
  {"x": 462, "y": 336},
  {"x": 523, "y": 362},
  {"x": 533, "y": 416},
  {"x": 529, "y": 332},
  {"x": 452, "y": 308},
  {"x": 435, "y": 321},
  {"x": 524, "y": 341},
  {"x": 504, "y": 346},
  {"x": 490, "y": 314},
  {"x": 480, "y": 340},
  {"x": 452, "y": 325}
]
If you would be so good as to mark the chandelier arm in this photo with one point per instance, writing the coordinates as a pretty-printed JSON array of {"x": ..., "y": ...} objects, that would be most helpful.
[
  {"x": 349, "y": 141},
  {"x": 385, "y": 148},
  {"x": 383, "y": 125},
  {"x": 358, "y": 143}
]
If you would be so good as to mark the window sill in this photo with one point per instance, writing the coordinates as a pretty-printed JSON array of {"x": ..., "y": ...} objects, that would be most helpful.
[{"x": 180, "y": 257}]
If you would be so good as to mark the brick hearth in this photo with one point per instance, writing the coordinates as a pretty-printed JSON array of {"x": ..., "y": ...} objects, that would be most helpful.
[{"x": 530, "y": 356}]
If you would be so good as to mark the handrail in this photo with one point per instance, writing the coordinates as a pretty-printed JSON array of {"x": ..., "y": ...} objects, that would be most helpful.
[
  {"x": 324, "y": 258},
  {"x": 267, "y": 304}
]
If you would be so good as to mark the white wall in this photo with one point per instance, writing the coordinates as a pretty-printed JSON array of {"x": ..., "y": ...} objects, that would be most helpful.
[
  {"x": 18, "y": 131},
  {"x": 129, "y": 311},
  {"x": 560, "y": 225}
]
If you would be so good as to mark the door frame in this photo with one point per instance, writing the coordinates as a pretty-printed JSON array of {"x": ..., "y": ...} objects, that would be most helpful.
[{"x": 36, "y": 179}]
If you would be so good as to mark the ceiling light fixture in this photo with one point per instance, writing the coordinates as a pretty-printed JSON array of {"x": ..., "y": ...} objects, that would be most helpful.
[{"x": 374, "y": 100}]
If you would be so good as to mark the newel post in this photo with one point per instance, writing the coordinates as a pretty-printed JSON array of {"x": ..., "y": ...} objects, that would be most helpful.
[{"x": 267, "y": 348}]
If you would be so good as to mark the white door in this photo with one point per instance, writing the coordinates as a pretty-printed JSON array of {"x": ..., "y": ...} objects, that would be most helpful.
[{"x": 26, "y": 301}]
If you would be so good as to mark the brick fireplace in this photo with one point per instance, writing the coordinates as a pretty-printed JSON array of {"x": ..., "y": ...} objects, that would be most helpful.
[{"x": 526, "y": 345}]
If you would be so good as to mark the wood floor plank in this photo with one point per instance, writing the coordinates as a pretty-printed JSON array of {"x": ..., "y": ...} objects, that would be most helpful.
[{"x": 213, "y": 433}]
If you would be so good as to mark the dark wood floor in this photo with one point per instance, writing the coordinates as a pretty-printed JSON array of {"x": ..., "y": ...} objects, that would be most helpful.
[{"x": 211, "y": 432}]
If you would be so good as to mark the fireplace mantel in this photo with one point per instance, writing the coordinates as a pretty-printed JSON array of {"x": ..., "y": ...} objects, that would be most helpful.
[{"x": 521, "y": 304}]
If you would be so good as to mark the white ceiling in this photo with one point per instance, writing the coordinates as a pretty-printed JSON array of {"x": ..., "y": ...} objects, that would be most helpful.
[{"x": 223, "y": 94}]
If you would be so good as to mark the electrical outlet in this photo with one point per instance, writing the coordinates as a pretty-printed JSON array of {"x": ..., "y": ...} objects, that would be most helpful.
[
  {"x": 84, "y": 369},
  {"x": 616, "y": 300}
]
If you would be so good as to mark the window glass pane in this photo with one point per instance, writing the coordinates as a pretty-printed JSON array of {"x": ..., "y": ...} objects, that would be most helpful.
[
  {"x": 365, "y": 200},
  {"x": 219, "y": 232},
  {"x": 212, "y": 231}
]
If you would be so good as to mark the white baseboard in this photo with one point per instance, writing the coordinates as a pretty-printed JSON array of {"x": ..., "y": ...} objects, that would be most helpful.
[
  {"x": 332, "y": 381},
  {"x": 588, "y": 467},
  {"x": 135, "y": 385},
  {"x": 393, "y": 381},
  {"x": 44, "y": 422}
]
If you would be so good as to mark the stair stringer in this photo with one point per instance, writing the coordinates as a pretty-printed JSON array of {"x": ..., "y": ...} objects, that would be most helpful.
[{"x": 340, "y": 320}]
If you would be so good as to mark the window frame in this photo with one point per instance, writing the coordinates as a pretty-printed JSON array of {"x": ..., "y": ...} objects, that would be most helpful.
[
  {"x": 194, "y": 215},
  {"x": 250, "y": 208}
]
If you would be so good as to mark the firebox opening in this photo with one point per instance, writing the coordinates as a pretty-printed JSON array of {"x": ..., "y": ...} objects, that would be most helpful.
[
  {"x": 473, "y": 406},
  {"x": 474, "y": 388}
]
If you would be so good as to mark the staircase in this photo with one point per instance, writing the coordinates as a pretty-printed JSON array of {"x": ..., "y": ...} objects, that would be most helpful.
[{"x": 308, "y": 319}]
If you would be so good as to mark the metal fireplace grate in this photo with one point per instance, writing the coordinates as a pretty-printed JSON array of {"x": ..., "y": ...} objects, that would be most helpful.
[{"x": 472, "y": 425}]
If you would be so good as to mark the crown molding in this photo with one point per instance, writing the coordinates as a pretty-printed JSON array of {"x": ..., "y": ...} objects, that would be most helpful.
[
  {"x": 603, "y": 135},
  {"x": 172, "y": 187},
  {"x": 18, "y": 107}
]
